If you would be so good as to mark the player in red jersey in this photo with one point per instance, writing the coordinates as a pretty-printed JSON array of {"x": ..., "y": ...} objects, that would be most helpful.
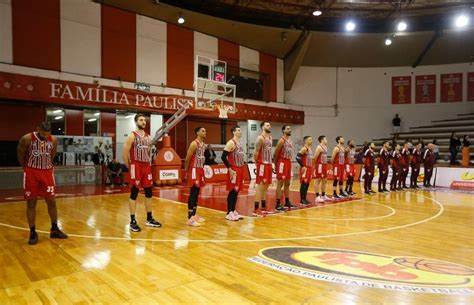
[
  {"x": 35, "y": 152},
  {"x": 404, "y": 164},
  {"x": 136, "y": 156},
  {"x": 194, "y": 169},
  {"x": 320, "y": 169},
  {"x": 395, "y": 168},
  {"x": 233, "y": 158},
  {"x": 338, "y": 167},
  {"x": 369, "y": 167},
  {"x": 282, "y": 157},
  {"x": 383, "y": 165},
  {"x": 415, "y": 165},
  {"x": 263, "y": 158},
  {"x": 305, "y": 160},
  {"x": 428, "y": 163},
  {"x": 350, "y": 168}
]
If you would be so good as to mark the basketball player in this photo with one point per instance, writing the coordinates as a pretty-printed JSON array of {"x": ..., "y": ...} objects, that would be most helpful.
[
  {"x": 369, "y": 167},
  {"x": 405, "y": 164},
  {"x": 194, "y": 169},
  {"x": 305, "y": 160},
  {"x": 282, "y": 155},
  {"x": 415, "y": 165},
  {"x": 383, "y": 165},
  {"x": 35, "y": 152},
  {"x": 320, "y": 169},
  {"x": 350, "y": 168},
  {"x": 136, "y": 156},
  {"x": 338, "y": 165},
  {"x": 263, "y": 158},
  {"x": 428, "y": 163},
  {"x": 396, "y": 169},
  {"x": 233, "y": 158}
]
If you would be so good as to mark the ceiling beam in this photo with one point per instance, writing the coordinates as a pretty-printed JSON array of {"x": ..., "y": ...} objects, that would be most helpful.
[
  {"x": 433, "y": 39},
  {"x": 295, "y": 57}
]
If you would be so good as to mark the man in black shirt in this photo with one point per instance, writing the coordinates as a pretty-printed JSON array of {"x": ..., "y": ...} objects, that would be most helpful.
[
  {"x": 396, "y": 125},
  {"x": 114, "y": 170}
]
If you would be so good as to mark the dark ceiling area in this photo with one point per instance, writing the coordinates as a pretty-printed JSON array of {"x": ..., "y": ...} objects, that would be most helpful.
[{"x": 371, "y": 16}]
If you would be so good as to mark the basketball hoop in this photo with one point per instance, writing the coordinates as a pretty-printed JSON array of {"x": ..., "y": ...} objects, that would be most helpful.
[{"x": 223, "y": 109}]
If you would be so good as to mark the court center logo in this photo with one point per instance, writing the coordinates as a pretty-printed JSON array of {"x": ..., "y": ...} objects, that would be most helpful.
[{"x": 410, "y": 274}]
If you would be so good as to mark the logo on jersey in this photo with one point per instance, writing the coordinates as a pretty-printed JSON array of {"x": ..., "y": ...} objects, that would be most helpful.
[{"x": 363, "y": 269}]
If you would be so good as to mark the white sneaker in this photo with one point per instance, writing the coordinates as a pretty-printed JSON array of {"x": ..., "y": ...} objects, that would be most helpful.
[
  {"x": 230, "y": 216},
  {"x": 319, "y": 199},
  {"x": 237, "y": 216},
  {"x": 193, "y": 222},
  {"x": 326, "y": 198}
]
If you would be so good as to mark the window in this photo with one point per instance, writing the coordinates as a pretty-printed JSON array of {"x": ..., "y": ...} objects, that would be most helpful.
[
  {"x": 91, "y": 122},
  {"x": 55, "y": 116}
]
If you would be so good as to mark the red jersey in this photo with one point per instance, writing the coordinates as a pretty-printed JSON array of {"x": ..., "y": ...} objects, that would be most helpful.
[
  {"x": 340, "y": 158},
  {"x": 140, "y": 150},
  {"x": 38, "y": 155},
  {"x": 286, "y": 152},
  {"x": 369, "y": 156},
  {"x": 307, "y": 159},
  {"x": 197, "y": 159},
  {"x": 416, "y": 157},
  {"x": 396, "y": 159},
  {"x": 350, "y": 155},
  {"x": 384, "y": 158},
  {"x": 265, "y": 152},
  {"x": 323, "y": 156},
  {"x": 236, "y": 157},
  {"x": 428, "y": 159},
  {"x": 405, "y": 157}
]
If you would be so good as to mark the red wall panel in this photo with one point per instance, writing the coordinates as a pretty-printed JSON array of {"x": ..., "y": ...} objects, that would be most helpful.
[
  {"x": 74, "y": 122},
  {"x": 36, "y": 34},
  {"x": 18, "y": 120},
  {"x": 119, "y": 40},
  {"x": 229, "y": 52},
  {"x": 179, "y": 57},
  {"x": 213, "y": 130},
  {"x": 268, "y": 66}
]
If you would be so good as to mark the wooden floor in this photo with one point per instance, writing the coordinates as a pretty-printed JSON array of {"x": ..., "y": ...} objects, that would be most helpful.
[{"x": 102, "y": 263}]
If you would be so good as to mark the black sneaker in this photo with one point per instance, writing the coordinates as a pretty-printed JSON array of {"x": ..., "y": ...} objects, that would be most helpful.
[
  {"x": 134, "y": 227},
  {"x": 342, "y": 195},
  {"x": 372, "y": 192},
  {"x": 351, "y": 193},
  {"x": 56, "y": 233},
  {"x": 289, "y": 205},
  {"x": 367, "y": 193},
  {"x": 386, "y": 191},
  {"x": 280, "y": 209},
  {"x": 346, "y": 194},
  {"x": 33, "y": 238},
  {"x": 153, "y": 223},
  {"x": 304, "y": 202},
  {"x": 336, "y": 197}
]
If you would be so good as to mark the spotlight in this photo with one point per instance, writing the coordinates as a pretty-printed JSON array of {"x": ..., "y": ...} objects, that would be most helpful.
[
  {"x": 181, "y": 19},
  {"x": 388, "y": 41},
  {"x": 350, "y": 26},
  {"x": 58, "y": 117},
  {"x": 91, "y": 120},
  {"x": 462, "y": 21},
  {"x": 97, "y": 113},
  {"x": 317, "y": 13},
  {"x": 401, "y": 26},
  {"x": 57, "y": 111}
]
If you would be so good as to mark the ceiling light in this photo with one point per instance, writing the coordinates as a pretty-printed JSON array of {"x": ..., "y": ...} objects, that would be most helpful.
[
  {"x": 181, "y": 19},
  {"x": 97, "y": 113},
  {"x": 58, "y": 117},
  {"x": 462, "y": 21},
  {"x": 57, "y": 111},
  {"x": 92, "y": 120},
  {"x": 350, "y": 26},
  {"x": 129, "y": 116},
  {"x": 388, "y": 41},
  {"x": 401, "y": 26},
  {"x": 317, "y": 13}
]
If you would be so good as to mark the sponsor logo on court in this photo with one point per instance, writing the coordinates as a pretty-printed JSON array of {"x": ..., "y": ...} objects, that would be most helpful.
[{"x": 363, "y": 269}]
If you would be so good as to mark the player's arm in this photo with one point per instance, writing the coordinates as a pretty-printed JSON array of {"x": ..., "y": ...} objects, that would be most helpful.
[
  {"x": 229, "y": 147},
  {"x": 303, "y": 151},
  {"x": 277, "y": 150},
  {"x": 334, "y": 153},
  {"x": 22, "y": 147},
  {"x": 258, "y": 145},
  {"x": 55, "y": 148},
  {"x": 126, "y": 149},
  {"x": 317, "y": 153},
  {"x": 192, "y": 148}
]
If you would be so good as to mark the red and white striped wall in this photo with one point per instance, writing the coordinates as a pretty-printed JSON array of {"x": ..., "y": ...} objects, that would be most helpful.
[{"x": 87, "y": 38}]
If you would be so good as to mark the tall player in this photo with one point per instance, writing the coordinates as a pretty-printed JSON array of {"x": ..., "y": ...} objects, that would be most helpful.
[
  {"x": 320, "y": 169},
  {"x": 282, "y": 156},
  {"x": 35, "y": 152},
  {"x": 136, "y": 156},
  {"x": 405, "y": 164},
  {"x": 263, "y": 158},
  {"x": 428, "y": 163},
  {"x": 396, "y": 169},
  {"x": 383, "y": 165},
  {"x": 194, "y": 169},
  {"x": 338, "y": 164},
  {"x": 369, "y": 167},
  {"x": 350, "y": 168},
  {"x": 415, "y": 165},
  {"x": 305, "y": 160},
  {"x": 233, "y": 158}
]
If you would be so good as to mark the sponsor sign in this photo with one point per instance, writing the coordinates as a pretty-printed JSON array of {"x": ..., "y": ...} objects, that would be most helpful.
[
  {"x": 425, "y": 89},
  {"x": 215, "y": 173},
  {"x": 401, "y": 90},
  {"x": 451, "y": 87},
  {"x": 363, "y": 269},
  {"x": 458, "y": 178},
  {"x": 169, "y": 174}
]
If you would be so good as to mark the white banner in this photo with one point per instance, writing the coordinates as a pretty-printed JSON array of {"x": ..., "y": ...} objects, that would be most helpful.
[
  {"x": 455, "y": 177},
  {"x": 169, "y": 174}
]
